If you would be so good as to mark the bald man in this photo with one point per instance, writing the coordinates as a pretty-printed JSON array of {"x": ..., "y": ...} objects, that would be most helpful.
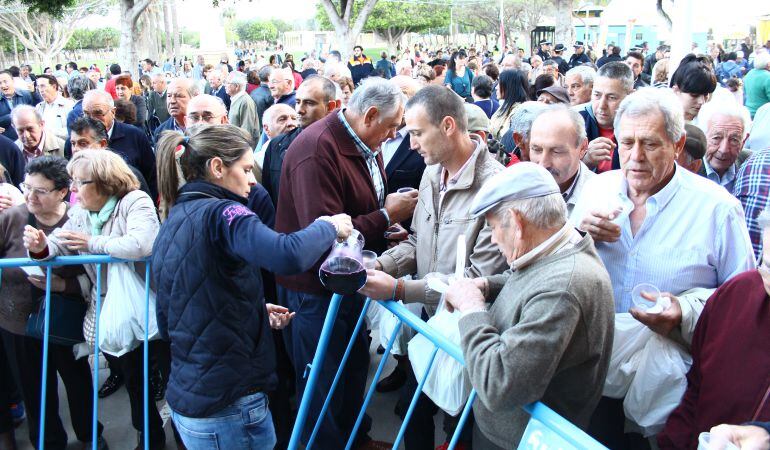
[{"x": 206, "y": 109}]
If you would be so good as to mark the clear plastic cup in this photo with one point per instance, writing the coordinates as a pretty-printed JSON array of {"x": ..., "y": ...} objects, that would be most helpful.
[
  {"x": 705, "y": 443},
  {"x": 369, "y": 259},
  {"x": 641, "y": 302}
]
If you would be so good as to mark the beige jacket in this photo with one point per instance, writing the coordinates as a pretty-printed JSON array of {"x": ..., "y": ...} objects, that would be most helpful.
[
  {"x": 129, "y": 234},
  {"x": 52, "y": 144},
  {"x": 432, "y": 245}
]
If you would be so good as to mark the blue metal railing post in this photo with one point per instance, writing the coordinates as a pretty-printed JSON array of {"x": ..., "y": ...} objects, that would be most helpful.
[
  {"x": 315, "y": 371},
  {"x": 97, "y": 313},
  {"x": 44, "y": 376},
  {"x": 146, "y": 356},
  {"x": 415, "y": 396}
]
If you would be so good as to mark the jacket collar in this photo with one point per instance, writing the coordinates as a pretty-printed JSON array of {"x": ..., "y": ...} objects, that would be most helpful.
[
  {"x": 199, "y": 189},
  {"x": 480, "y": 153},
  {"x": 345, "y": 143},
  {"x": 118, "y": 131}
]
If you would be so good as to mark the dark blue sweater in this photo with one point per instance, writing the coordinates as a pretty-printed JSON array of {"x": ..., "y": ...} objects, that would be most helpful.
[{"x": 206, "y": 268}]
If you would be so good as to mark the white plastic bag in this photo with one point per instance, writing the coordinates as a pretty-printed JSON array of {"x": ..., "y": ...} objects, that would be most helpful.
[
  {"x": 121, "y": 323},
  {"x": 388, "y": 323},
  {"x": 659, "y": 384},
  {"x": 446, "y": 384},
  {"x": 630, "y": 338}
]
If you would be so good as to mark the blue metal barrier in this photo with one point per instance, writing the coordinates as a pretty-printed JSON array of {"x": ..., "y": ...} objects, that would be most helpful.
[
  {"x": 545, "y": 427},
  {"x": 97, "y": 260}
]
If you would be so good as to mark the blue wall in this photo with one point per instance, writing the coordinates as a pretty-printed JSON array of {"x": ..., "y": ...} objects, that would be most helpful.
[{"x": 617, "y": 34}]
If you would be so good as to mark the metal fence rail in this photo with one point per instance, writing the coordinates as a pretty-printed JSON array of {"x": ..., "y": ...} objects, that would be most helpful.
[
  {"x": 545, "y": 427},
  {"x": 97, "y": 260}
]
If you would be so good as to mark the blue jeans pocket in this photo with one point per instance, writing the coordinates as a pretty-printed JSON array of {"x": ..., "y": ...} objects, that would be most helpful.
[{"x": 196, "y": 440}]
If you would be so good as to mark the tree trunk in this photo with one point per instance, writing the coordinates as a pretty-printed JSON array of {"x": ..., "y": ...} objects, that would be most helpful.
[
  {"x": 130, "y": 10},
  {"x": 346, "y": 32},
  {"x": 167, "y": 26},
  {"x": 563, "y": 22},
  {"x": 175, "y": 30}
]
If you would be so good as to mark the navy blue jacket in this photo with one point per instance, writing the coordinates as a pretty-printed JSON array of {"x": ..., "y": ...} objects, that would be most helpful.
[
  {"x": 404, "y": 169},
  {"x": 21, "y": 97},
  {"x": 288, "y": 99},
  {"x": 271, "y": 167},
  {"x": 222, "y": 93},
  {"x": 75, "y": 113},
  {"x": 13, "y": 161},
  {"x": 206, "y": 266},
  {"x": 167, "y": 125}
]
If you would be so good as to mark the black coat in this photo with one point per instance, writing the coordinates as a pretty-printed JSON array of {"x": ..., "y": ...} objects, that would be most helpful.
[
  {"x": 21, "y": 97},
  {"x": 404, "y": 169},
  {"x": 13, "y": 161}
]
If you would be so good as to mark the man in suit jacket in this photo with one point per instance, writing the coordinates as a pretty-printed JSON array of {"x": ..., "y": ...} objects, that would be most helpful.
[
  {"x": 156, "y": 103},
  {"x": 13, "y": 161},
  {"x": 35, "y": 139},
  {"x": 261, "y": 95},
  {"x": 243, "y": 111},
  {"x": 10, "y": 98},
  {"x": 217, "y": 88},
  {"x": 126, "y": 140}
]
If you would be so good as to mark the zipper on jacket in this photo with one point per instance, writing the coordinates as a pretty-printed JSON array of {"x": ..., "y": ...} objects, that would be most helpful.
[{"x": 761, "y": 404}]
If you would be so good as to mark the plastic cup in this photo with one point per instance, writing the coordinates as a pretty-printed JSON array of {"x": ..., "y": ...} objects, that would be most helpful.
[
  {"x": 369, "y": 259},
  {"x": 705, "y": 443},
  {"x": 641, "y": 302},
  {"x": 404, "y": 190}
]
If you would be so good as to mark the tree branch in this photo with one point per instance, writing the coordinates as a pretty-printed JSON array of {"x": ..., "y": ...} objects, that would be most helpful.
[{"x": 366, "y": 11}]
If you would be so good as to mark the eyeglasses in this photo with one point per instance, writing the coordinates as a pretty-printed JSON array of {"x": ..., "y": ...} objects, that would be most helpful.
[
  {"x": 206, "y": 117},
  {"x": 77, "y": 184},
  {"x": 29, "y": 190}
]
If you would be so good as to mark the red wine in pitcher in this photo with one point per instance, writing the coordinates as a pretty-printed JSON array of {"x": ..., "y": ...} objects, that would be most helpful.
[{"x": 342, "y": 275}]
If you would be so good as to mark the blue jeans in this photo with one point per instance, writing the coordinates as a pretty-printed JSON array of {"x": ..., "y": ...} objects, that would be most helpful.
[{"x": 245, "y": 424}]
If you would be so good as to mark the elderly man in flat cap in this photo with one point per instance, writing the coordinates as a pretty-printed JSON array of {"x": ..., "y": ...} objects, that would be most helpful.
[{"x": 547, "y": 335}]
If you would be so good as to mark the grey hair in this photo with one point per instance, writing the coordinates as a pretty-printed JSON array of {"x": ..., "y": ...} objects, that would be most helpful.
[
  {"x": 723, "y": 107},
  {"x": 524, "y": 115},
  {"x": 100, "y": 95},
  {"x": 190, "y": 86},
  {"x": 578, "y": 123},
  {"x": 21, "y": 109},
  {"x": 587, "y": 74},
  {"x": 378, "y": 93},
  {"x": 264, "y": 73},
  {"x": 78, "y": 85},
  {"x": 762, "y": 60},
  {"x": 652, "y": 100},
  {"x": 239, "y": 79},
  {"x": 618, "y": 71},
  {"x": 546, "y": 212}
]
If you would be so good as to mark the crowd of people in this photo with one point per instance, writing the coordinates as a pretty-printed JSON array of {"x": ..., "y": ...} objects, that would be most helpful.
[{"x": 571, "y": 180}]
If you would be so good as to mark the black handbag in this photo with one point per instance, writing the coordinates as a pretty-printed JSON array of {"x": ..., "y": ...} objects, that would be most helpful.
[{"x": 66, "y": 319}]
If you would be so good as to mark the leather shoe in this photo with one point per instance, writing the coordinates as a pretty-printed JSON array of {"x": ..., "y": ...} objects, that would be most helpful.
[
  {"x": 375, "y": 445},
  {"x": 158, "y": 386},
  {"x": 111, "y": 385},
  {"x": 392, "y": 382}
]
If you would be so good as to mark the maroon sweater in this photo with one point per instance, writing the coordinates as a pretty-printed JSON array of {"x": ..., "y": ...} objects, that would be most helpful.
[
  {"x": 729, "y": 381},
  {"x": 323, "y": 174}
]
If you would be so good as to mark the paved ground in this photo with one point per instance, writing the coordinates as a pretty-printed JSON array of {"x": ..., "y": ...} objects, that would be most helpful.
[{"x": 114, "y": 413}]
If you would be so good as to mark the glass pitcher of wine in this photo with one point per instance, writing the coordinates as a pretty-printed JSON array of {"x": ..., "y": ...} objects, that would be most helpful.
[{"x": 343, "y": 270}]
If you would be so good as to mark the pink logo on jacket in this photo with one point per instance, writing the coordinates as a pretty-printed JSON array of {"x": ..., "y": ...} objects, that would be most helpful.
[{"x": 233, "y": 211}]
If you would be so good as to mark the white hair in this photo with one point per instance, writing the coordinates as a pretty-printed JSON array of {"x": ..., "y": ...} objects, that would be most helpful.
[
  {"x": 403, "y": 64},
  {"x": 762, "y": 60},
  {"x": 723, "y": 107},
  {"x": 97, "y": 94},
  {"x": 652, "y": 100},
  {"x": 586, "y": 73},
  {"x": 336, "y": 68},
  {"x": 22, "y": 109},
  {"x": 578, "y": 123},
  {"x": 524, "y": 115},
  {"x": 238, "y": 79},
  {"x": 378, "y": 93},
  {"x": 546, "y": 212}
]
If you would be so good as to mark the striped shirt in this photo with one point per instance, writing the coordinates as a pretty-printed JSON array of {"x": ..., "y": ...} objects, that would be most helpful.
[
  {"x": 694, "y": 235},
  {"x": 370, "y": 157},
  {"x": 752, "y": 188}
]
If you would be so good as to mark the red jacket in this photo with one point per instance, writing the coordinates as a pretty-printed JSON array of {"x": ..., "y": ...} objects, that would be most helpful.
[
  {"x": 729, "y": 381},
  {"x": 109, "y": 86},
  {"x": 323, "y": 174}
]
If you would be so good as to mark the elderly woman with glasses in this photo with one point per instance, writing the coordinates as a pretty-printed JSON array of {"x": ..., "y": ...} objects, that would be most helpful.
[
  {"x": 116, "y": 218},
  {"x": 45, "y": 190}
]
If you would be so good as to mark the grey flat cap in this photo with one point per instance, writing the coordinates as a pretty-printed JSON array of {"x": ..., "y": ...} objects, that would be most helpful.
[{"x": 518, "y": 182}]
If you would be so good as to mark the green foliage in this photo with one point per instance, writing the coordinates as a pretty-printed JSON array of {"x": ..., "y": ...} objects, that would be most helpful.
[
  {"x": 192, "y": 38},
  {"x": 260, "y": 30},
  {"x": 396, "y": 16},
  {"x": 100, "y": 38},
  {"x": 52, "y": 7},
  {"x": 6, "y": 43}
]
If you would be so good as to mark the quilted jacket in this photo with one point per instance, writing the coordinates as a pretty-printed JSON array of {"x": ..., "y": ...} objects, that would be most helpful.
[{"x": 210, "y": 306}]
